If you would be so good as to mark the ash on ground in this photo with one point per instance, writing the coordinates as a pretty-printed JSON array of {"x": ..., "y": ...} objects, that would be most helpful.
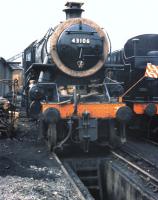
[{"x": 28, "y": 171}]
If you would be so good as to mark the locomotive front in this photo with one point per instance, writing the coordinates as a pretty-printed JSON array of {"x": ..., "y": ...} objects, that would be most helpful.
[
  {"x": 79, "y": 47},
  {"x": 70, "y": 94}
]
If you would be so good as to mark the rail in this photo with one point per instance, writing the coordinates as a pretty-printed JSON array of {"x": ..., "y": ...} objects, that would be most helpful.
[
  {"x": 80, "y": 194},
  {"x": 152, "y": 181}
]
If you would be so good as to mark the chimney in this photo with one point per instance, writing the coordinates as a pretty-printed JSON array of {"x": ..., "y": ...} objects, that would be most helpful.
[{"x": 73, "y": 9}]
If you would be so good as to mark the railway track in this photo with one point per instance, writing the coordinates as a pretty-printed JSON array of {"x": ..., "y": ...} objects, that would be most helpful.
[
  {"x": 143, "y": 150},
  {"x": 143, "y": 172},
  {"x": 150, "y": 142},
  {"x": 82, "y": 192},
  {"x": 91, "y": 169},
  {"x": 140, "y": 156}
]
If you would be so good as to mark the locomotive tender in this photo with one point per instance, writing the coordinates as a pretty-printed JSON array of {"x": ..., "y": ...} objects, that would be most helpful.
[
  {"x": 65, "y": 84},
  {"x": 128, "y": 66}
]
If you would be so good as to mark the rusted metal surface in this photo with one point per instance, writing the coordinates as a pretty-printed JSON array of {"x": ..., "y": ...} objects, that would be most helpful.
[
  {"x": 96, "y": 110},
  {"x": 55, "y": 57},
  {"x": 8, "y": 114},
  {"x": 139, "y": 108}
]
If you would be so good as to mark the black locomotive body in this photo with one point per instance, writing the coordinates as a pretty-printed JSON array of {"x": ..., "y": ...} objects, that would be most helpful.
[
  {"x": 129, "y": 66},
  {"x": 65, "y": 87}
]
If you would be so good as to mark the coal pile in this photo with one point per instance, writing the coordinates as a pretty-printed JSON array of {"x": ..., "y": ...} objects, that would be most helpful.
[{"x": 28, "y": 171}]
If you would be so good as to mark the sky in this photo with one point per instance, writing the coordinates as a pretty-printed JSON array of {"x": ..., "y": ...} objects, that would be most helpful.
[{"x": 23, "y": 21}]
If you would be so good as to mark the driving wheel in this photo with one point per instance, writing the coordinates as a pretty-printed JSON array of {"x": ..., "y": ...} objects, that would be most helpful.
[{"x": 51, "y": 136}]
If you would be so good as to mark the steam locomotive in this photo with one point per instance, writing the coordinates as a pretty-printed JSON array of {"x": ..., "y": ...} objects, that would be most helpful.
[
  {"x": 65, "y": 85},
  {"x": 128, "y": 66}
]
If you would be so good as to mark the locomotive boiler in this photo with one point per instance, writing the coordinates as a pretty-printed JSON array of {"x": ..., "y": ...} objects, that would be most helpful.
[
  {"x": 65, "y": 87},
  {"x": 129, "y": 66}
]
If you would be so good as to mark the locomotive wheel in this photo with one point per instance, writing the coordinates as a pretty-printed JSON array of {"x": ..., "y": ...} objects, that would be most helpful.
[
  {"x": 114, "y": 138},
  {"x": 51, "y": 136},
  {"x": 42, "y": 130}
]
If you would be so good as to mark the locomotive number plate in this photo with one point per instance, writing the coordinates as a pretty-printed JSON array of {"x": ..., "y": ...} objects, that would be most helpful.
[{"x": 80, "y": 40}]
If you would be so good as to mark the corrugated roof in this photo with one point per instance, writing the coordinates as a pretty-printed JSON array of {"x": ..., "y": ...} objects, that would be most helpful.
[
  {"x": 15, "y": 66},
  {"x": 11, "y": 65},
  {"x": 2, "y": 60}
]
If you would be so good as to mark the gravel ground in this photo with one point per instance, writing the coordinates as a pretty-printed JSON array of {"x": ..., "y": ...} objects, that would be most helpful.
[{"x": 28, "y": 172}]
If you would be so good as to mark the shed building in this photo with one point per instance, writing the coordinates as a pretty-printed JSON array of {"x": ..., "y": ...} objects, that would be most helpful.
[
  {"x": 9, "y": 71},
  {"x": 5, "y": 74}
]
